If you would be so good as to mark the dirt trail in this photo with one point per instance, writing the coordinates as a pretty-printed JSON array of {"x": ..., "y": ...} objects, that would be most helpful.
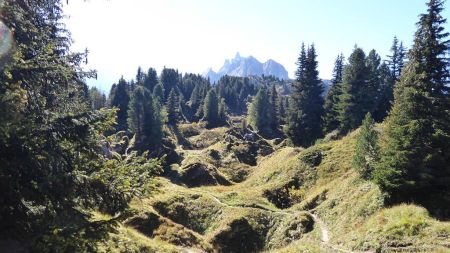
[{"x": 324, "y": 235}]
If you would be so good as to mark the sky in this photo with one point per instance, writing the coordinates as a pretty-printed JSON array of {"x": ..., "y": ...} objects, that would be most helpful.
[{"x": 194, "y": 35}]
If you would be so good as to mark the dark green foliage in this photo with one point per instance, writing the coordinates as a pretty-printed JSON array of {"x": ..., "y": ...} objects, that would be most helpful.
[
  {"x": 197, "y": 96},
  {"x": 51, "y": 149},
  {"x": 306, "y": 104},
  {"x": 143, "y": 118},
  {"x": 173, "y": 107},
  {"x": 353, "y": 103},
  {"x": 396, "y": 61},
  {"x": 119, "y": 98},
  {"x": 150, "y": 79},
  {"x": 416, "y": 154},
  {"x": 273, "y": 109},
  {"x": 223, "y": 112},
  {"x": 139, "y": 77},
  {"x": 385, "y": 94},
  {"x": 282, "y": 108},
  {"x": 170, "y": 79},
  {"x": 97, "y": 98},
  {"x": 235, "y": 91},
  {"x": 366, "y": 151},
  {"x": 331, "y": 104},
  {"x": 259, "y": 112},
  {"x": 211, "y": 109},
  {"x": 158, "y": 92}
]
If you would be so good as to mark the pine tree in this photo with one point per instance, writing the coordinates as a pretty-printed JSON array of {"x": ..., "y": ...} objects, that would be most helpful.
[
  {"x": 223, "y": 111},
  {"x": 170, "y": 80},
  {"x": 306, "y": 104},
  {"x": 397, "y": 59},
  {"x": 369, "y": 99},
  {"x": 273, "y": 109},
  {"x": 352, "y": 106},
  {"x": 150, "y": 79},
  {"x": 259, "y": 112},
  {"x": 331, "y": 110},
  {"x": 158, "y": 92},
  {"x": 51, "y": 141},
  {"x": 367, "y": 151},
  {"x": 211, "y": 109},
  {"x": 385, "y": 94},
  {"x": 120, "y": 98},
  {"x": 144, "y": 118},
  {"x": 97, "y": 98},
  {"x": 416, "y": 153},
  {"x": 172, "y": 106},
  {"x": 140, "y": 76}
]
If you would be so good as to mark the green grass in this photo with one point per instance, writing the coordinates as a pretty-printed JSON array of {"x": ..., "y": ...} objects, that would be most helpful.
[{"x": 353, "y": 209}]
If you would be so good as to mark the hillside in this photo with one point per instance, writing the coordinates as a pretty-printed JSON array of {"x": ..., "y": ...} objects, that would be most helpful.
[{"x": 230, "y": 195}]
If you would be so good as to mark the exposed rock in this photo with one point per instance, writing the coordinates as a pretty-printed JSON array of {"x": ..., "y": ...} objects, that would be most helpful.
[
  {"x": 238, "y": 236},
  {"x": 281, "y": 196},
  {"x": 198, "y": 174}
]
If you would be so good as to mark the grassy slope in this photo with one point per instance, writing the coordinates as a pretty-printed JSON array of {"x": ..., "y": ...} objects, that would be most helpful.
[{"x": 351, "y": 208}]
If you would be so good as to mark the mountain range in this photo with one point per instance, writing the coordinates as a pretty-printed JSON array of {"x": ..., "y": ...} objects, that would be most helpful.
[{"x": 247, "y": 66}]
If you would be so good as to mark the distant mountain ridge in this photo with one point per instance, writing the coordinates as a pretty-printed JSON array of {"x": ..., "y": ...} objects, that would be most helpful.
[{"x": 247, "y": 66}]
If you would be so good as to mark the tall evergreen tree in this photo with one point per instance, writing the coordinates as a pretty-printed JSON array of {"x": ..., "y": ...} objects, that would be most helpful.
[
  {"x": 97, "y": 98},
  {"x": 173, "y": 106},
  {"x": 331, "y": 109},
  {"x": 211, "y": 109},
  {"x": 367, "y": 150},
  {"x": 354, "y": 87},
  {"x": 143, "y": 118},
  {"x": 169, "y": 80},
  {"x": 223, "y": 111},
  {"x": 397, "y": 59},
  {"x": 120, "y": 98},
  {"x": 158, "y": 92},
  {"x": 259, "y": 112},
  {"x": 150, "y": 79},
  {"x": 51, "y": 159},
  {"x": 140, "y": 75},
  {"x": 385, "y": 94},
  {"x": 369, "y": 99},
  {"x": 416, "y": 153},
  {"x": 274, "y": 121},
  {"x": 306, "y": 105}
]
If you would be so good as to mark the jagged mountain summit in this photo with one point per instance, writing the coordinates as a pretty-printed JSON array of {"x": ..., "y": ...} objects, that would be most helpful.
[{"x": 247, "y": 66}]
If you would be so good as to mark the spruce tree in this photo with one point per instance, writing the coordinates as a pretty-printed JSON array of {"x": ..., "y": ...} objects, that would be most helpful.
[
  {"x": 306, "y": 104},
  {"x": 397, "y": 59},
  {"x": 352, "y": 102},
  {"x": 223, "y": 111},
  {"x": 385, "y": 94},
  {"x": 120, "y": 98},
  {"x": 170, "y": 80},
  {"x": 211, "y": 109},
  {"x": 366, "y": 151},
  {"x": 144, "y": 118},
  {"x": 150, "y": 79},
  {"x": 273, "y": 109},
  {"x": 331, "y": 109},
  {"x": 158, "y": 92},
  {"x": 259, "y": 112},
  {"x": 416, "y": 153},
  {"x": 140, "y": 76},
  {"x": 172, "y": 106},
  {"x": 97, "y": 98}
]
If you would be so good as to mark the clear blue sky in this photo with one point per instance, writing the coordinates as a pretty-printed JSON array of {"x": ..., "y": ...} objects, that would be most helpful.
[{"x": 193, "y": 35}]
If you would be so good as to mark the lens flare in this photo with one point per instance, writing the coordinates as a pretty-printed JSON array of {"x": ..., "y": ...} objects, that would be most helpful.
[{"x": 6, "y": 40}]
